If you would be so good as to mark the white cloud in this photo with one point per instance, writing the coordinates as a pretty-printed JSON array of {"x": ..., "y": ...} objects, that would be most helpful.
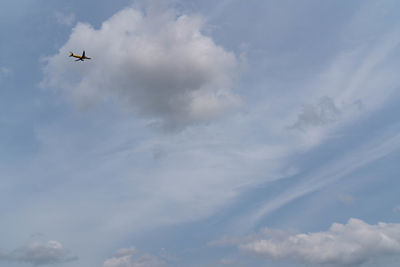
[
  {"x": 158, "y": 64},
  {"x": 348, "y": 244},
  {"x": 64, "y": 19},
  {"x": 118, "y": 262},
  {"x": 40, "y": 254},
  {"x": 124, "y": 258}
]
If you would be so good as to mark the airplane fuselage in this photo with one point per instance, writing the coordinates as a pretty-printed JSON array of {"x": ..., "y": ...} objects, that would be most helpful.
[{"x": 79, "y": 58}]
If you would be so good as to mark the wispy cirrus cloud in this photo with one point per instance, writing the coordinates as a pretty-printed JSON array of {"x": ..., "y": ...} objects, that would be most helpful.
[{"x": 325, "y": 175}]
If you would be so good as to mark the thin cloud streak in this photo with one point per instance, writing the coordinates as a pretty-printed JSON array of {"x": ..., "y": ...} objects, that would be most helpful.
[{"x": 324, "y": 176}]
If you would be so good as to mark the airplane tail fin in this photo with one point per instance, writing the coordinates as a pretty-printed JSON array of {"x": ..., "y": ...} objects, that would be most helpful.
[{"x": 71, "y": 54}]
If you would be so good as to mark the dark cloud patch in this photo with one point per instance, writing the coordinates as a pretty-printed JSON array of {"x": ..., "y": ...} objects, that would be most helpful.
[
  {"x": 322, "y": 113},
  {"x": 38, "y": 254}
]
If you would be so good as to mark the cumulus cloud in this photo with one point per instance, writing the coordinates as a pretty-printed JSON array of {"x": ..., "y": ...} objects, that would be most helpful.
[
  {"x": 157, "y": 63},
  {"x": 125, "y": 258},
  {"x": 118, "y": 262},
  {"x": 348, "y": 244},
  {"x": 40, "y": 254}
]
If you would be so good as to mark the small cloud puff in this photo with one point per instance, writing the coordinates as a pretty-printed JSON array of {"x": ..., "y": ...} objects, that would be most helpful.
[{"x": 125, "y": 257}]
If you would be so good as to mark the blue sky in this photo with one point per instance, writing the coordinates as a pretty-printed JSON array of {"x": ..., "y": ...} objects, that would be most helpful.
[{"x": 201, "y": 133}]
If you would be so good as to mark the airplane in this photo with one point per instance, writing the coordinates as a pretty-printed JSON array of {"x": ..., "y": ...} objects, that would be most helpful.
[{"x": 79, "y": 58}]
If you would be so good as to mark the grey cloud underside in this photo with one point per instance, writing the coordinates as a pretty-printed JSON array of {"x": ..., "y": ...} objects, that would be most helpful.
[
  {"x": 36, "y": 254},
  {"x": 157, "y": 64}
]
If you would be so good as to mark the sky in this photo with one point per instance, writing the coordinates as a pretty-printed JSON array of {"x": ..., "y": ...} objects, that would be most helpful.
[{"x": 200, "y": 133}]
